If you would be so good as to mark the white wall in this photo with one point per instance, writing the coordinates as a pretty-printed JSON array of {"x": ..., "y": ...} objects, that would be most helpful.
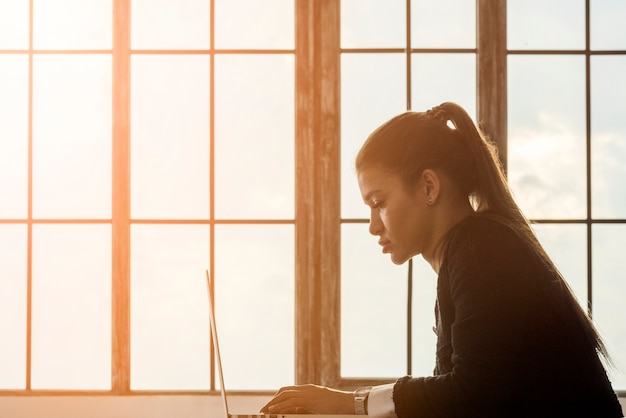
[{"x": 130, "y": 406}]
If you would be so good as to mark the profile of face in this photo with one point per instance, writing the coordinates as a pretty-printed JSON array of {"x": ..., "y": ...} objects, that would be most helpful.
[{"x": 400, "y": 214}]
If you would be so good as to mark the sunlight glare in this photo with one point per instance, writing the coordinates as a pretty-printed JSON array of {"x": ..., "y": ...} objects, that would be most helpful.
[
  {"x": 72, "y": 24},
  {"x": 13, "y": 24}
]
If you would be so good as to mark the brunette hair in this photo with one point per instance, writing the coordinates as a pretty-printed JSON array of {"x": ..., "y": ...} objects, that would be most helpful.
[{"x": 446, "y": 139}]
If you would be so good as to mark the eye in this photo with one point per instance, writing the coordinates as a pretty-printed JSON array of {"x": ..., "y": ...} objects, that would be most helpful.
[{"x": 376, "y": 204}]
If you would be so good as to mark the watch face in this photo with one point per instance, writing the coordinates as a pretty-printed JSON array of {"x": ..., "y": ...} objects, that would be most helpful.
[{"x": 362, "y": 392}]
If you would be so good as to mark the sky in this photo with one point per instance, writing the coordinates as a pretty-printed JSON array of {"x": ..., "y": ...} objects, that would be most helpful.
[{"x": 254, "y": 99}]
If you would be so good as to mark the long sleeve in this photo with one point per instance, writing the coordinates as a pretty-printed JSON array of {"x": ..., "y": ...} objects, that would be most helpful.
[
  {"x": 508, "y": 343},
  {"x": 380, "y": 402}
]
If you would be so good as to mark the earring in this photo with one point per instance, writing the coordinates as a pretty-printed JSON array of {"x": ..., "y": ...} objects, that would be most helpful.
[{"x": 430, "y": 200}]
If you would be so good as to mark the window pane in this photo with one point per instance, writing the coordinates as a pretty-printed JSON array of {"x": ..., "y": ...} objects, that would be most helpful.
[
  {"x": 360, "y": 17},
  {"x": 14, "y": 134},
  {"x": 373, "y": 303},
  {"x": 254, "y": 136},
  {"x": 608, "y": 124},
  {"x": 545, "y": 24},
  {"x": 567, "y": 246},
  {"x": 71, "y": 305},
  {"x": 267, "y": 24},
  {"x": 14, "y": 24},
  {"x": 169, "y": 307},
  {"x": 254, "y": 289},
  {"x": 170, "y": 137},
  {"x": 72, "y": 136},
  {"x": 170, "y": 24},
  {"x": 607, "y": 24},
  {"x": 438, "y": 78},
  {"x": 547, "y": 135},
  {"x": 13, "y": 264},
  {"x": 72, "y": 24},
  {"x": 443, "y": 24},
  {"x": 609, "y": 288},
  {"x": 373, "y": 89}
]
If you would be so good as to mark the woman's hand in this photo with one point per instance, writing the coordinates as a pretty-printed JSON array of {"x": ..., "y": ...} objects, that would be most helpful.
[{"x": 310, "y": 399}]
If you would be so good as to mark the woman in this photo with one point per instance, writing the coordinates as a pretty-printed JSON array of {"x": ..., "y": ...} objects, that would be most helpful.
[{"x": 512, "y": 341}]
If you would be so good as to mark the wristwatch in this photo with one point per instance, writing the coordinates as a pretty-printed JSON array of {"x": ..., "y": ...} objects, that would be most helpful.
[{"x": 360, "y": 400}]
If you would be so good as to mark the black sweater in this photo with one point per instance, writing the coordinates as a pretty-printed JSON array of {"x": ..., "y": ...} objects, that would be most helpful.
[{"x": 510, "y": 343}]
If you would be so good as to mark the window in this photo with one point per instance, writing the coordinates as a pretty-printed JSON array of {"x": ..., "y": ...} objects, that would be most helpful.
[
  {"x": 144, "y": 141},
  {"x": 56, "y": 112},
  {"x": 565, "y": 136},
  {"x": 147, "y": 141}
]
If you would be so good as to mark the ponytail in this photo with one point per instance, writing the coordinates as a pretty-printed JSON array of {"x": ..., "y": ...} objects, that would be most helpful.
[
  {"x": 489, "y": 189},
  {"x": 492, "y": 194}
]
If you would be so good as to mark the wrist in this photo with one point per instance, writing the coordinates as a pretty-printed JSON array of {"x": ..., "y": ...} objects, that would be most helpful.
[{"x": 360, "y": 400}]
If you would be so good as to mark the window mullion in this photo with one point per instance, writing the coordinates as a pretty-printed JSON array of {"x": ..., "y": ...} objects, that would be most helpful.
[
  {"x": 492, "y": 72},
  {"x": 120, "y": 364},
  {"x": 317, "y": 192}
]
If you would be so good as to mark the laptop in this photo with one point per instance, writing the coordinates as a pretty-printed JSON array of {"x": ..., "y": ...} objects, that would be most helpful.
[{"x": 220, "y": 372}]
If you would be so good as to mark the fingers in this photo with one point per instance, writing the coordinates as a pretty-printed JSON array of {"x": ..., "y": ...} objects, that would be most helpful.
[
  {"x": 290, "y": 400},
  {"x": 310, "y": 399},
  {"x": 290, "y": 406},
  {"x": 283, "y": 400}
]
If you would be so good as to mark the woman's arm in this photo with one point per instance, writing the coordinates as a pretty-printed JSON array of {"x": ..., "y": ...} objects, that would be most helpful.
[{"x": 310, "y": 399}]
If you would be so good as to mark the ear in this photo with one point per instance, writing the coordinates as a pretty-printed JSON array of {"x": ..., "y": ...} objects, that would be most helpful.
[{"x": 431, "y": 185}]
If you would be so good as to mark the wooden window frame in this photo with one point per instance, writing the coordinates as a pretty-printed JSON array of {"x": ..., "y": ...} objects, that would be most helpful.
[
  {"x": 317, "y": 213},
  {"x": 317, "y": 181},
  {"x": 318, "y": 350}
]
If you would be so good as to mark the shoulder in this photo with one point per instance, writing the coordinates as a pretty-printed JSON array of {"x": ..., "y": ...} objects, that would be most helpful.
[
  {"x": 479, "y": 229},
  {"x": 485, "y": 242},
  {"x": 488, "y": 264}
]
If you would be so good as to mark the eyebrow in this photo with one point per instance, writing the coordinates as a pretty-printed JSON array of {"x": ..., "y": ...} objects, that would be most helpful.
[{"x": 368, "y": 196}]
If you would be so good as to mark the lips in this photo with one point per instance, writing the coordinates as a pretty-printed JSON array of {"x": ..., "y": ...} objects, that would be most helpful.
[{"x": 385, "y": 244}]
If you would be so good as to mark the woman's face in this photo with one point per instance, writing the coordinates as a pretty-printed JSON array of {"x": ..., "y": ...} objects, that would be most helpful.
[{"x": 400, "y": 216}]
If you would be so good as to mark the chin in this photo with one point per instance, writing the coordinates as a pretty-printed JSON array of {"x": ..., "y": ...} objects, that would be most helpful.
[{"x": 398, "y": 260}]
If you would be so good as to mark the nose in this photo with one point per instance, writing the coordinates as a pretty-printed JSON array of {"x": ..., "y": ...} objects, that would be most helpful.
[{"x": 376, "y": 224}]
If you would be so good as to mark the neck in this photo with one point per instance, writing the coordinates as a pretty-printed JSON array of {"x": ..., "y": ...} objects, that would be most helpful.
[{"x": 451, "y": 214}]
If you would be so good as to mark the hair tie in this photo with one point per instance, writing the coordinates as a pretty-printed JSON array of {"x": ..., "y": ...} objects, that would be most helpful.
[
  {"x": 436, "y": 113},
  {"x": 439, "y": 114}
]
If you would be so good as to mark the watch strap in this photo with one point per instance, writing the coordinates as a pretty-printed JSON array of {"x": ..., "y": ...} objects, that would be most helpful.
[{"x": 360, "y": 400}]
